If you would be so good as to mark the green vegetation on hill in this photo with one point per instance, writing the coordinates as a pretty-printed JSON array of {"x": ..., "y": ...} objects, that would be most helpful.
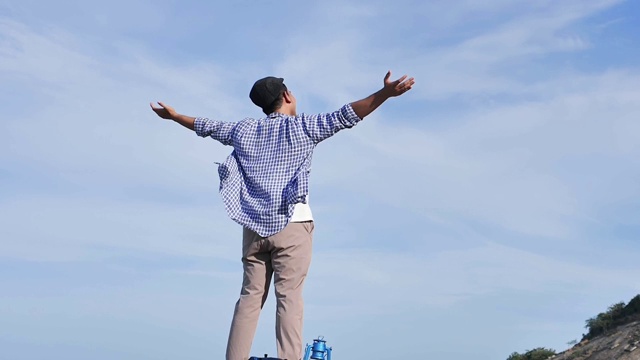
[{"x": 617, "y": 315}]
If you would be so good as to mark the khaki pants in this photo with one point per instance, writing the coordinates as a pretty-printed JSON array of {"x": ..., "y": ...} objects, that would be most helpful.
[{"x": 285, "y": 255}]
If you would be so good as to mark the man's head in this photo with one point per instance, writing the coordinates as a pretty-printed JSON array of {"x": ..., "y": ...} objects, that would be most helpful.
[{"x": 271, "y": 95}]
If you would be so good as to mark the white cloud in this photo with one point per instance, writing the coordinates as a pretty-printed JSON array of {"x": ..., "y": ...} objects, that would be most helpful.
[
  {"x": 402, "y": 281},
  {"x": 507, "y": 164}
]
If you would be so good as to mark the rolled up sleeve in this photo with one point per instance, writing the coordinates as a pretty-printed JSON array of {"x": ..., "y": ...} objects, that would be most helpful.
[
  {"x": 322, "y": 126},
  {"x": 217, "y": 130}
]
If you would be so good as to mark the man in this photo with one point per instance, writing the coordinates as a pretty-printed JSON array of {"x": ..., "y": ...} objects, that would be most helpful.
[{"x": 264, "y": 186}]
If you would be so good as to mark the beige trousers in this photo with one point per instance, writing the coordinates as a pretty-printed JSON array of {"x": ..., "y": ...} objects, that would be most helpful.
[{"x": 285, "y": 256}]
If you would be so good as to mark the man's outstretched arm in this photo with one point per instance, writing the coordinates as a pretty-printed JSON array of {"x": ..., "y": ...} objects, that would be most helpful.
[
  {"x": 322, "y": 126},
  {"x": 167, "y": 112},
  {"x": 203, "y": 127},
  {"x": 390, "y": 89}
]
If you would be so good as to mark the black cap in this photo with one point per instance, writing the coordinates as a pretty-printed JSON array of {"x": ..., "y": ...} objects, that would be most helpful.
[{"x": 267, "y": 90}]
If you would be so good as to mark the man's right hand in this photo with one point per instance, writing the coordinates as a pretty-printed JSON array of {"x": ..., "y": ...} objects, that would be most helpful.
[
  {"x": 167, "y": 112},
  {"x": 398, "y": 87},
  {"x": 164, "y": 111}
]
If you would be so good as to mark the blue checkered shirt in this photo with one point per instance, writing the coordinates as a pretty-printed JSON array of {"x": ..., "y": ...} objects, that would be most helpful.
[{"x": 268, "y": 171}]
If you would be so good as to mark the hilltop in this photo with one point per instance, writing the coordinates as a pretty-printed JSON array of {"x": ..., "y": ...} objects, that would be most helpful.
[
  {"x": 623, "y": 343},
  {"x": 613, "y": 335}
]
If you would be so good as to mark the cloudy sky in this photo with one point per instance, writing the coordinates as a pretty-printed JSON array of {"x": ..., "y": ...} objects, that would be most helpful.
[{"x": 493, "y": 208}]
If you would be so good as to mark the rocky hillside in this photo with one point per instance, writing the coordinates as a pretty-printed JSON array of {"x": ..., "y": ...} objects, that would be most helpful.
[
  {"x": 612, "y": 335},
  {"x": 623, "y": 343}
]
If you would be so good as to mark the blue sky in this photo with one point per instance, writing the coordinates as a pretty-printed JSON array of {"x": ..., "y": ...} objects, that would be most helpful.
[{"x": 492, "y": 209}]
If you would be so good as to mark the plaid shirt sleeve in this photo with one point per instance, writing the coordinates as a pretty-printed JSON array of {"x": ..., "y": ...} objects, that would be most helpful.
[
  {"x": 322, "y": 126},
  {"x": 218, "y": 130}
]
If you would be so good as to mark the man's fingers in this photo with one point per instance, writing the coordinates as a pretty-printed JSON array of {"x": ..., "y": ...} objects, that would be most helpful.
[
  {"x": 401, "y": 79},
  {"x": 386, "y": 77},
  {"x": 405, "y": 86},
  {"x": 408, "y": 82}
]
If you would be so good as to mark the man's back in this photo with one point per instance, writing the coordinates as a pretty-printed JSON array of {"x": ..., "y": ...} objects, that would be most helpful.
[
  {"x": 268, "y": 171},
  {"x": 271, "y": 151}
]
